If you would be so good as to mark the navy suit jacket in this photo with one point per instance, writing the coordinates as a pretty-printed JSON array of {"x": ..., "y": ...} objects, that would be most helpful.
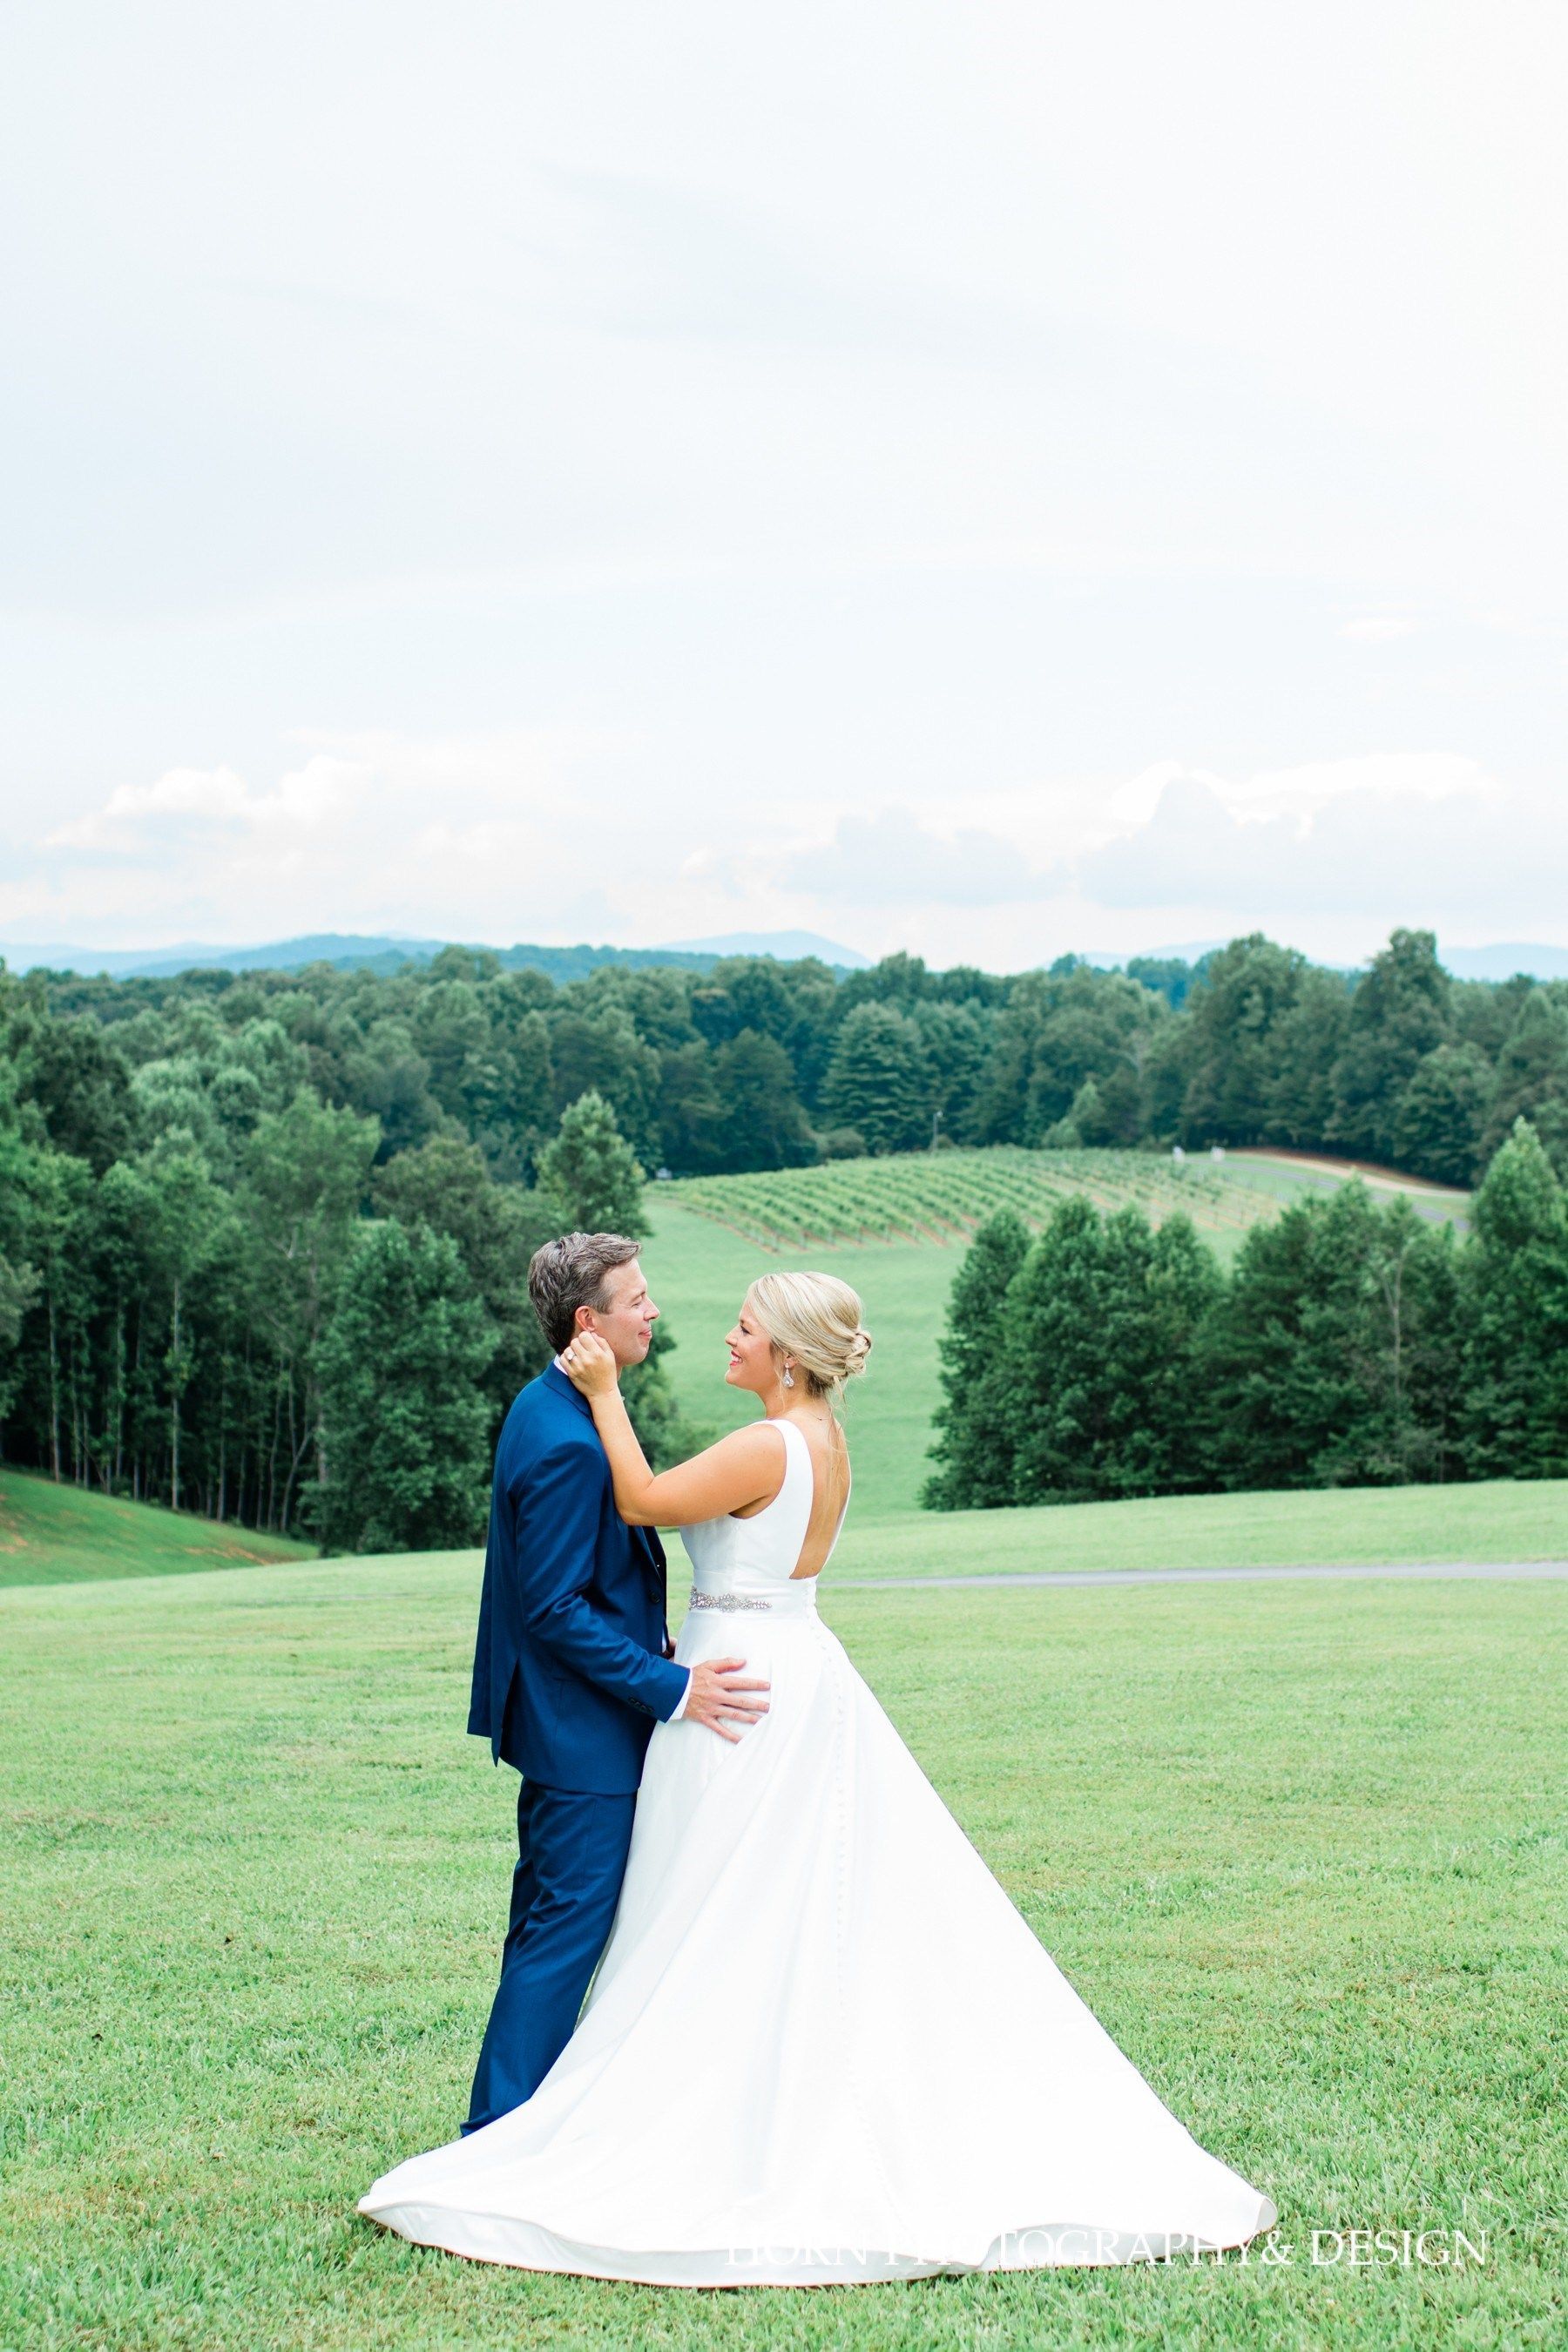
[{"x": 570, "y": 1673}]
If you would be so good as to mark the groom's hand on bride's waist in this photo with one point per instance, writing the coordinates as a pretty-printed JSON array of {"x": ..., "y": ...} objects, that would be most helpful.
[{"x": 721, "y": 1696}]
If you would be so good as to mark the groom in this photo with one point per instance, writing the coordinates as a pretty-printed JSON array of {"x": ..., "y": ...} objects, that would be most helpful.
[{"x": 572, "y": 1668}]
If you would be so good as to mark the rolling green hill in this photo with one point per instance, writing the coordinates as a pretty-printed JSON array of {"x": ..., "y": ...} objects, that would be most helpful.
[
  {"x": 76, "y": 1539},
  {"x": 1289, "y": 1176},
  {"x": 58, "y": 1535},
  {"x": 895, "y": 1229},
  {"x": 1345, "y": 1527},
  {"x": 921, "y": 1196}
]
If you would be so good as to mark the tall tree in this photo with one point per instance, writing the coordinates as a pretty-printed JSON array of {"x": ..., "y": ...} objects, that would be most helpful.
[
  {"x": 1102, "y": 1322},
  {"x": 1401, "y": 1010},
  {"x": 954, "y": 1040},
  {"x": 73, "y": 1074},
  {"x": 589, "y": 1177},
  {"x": 693, "y": 1126},
  {"x": 18, "y": 1288},
  {"x": 879, "y": 1081},
  {"x": 1331, "y": 1358},
  {"x": 1531, "y": 1076},
  {"x": 405, "y": 1451},
  {"x": 307, "y": 1176},
  {"x": 55, "y": 1216},
  {"x": 1438, "y": 1117},
  {"x": 974, "y": 1462},
  {"x": 445, "y": 1186},
  {"x": 1516, "y": 1292},
  {"x": 762, "y": 1124},
  {"x": 19, "y": 1283},
  {"x": 186, "y": 1213},
  {"x": 596, "y": 1049},
  {"x": 1238, "y": 1011}
]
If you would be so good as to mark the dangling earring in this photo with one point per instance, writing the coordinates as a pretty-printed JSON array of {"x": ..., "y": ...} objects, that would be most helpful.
[{"x": 788, "y": 1378}]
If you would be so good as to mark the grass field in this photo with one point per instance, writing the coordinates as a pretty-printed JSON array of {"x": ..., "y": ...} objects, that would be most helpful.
[
  {"x": 1351, "y": 1526},
  {"x": 1312, "y": 1877},
  {"x": 56, "y": 1535},
  {"x": 63, "y": 1536}
]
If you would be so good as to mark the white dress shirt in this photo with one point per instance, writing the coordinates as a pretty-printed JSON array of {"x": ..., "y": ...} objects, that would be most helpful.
[{"x": 678, "y": 1710}]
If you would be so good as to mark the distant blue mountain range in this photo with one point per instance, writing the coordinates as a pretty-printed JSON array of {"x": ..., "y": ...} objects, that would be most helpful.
[
  {"x": 786, "y": 946},
  {"x": 390, "y": 950}
]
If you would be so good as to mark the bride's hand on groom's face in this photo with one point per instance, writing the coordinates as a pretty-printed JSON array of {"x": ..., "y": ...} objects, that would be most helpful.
[{"x": 589, "y": 1364}]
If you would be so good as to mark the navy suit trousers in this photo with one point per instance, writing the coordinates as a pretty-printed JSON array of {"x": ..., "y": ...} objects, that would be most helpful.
[{"x": 570, "y": 1858}]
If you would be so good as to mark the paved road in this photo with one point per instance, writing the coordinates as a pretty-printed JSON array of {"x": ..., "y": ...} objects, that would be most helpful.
[{"x": 1485, "y": 1570}]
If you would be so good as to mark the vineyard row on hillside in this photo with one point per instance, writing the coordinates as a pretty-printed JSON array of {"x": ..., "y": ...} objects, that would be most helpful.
[{"x": 938, "y": 1196}]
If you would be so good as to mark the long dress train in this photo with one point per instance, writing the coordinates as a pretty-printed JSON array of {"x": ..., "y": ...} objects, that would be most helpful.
[{"x": 821, "y": 2044}]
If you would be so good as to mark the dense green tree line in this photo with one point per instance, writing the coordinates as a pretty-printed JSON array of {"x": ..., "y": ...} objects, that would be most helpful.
[
  {"x": 190, "y": 1167},
  {"x": 760, "y": 1065},
  {"x": 218, "y": 1293},
  {"x": 1350, "y": 1344}
]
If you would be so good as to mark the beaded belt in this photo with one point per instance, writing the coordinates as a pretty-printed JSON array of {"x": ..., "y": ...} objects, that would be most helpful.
[{"x": 728, "y": 1600}]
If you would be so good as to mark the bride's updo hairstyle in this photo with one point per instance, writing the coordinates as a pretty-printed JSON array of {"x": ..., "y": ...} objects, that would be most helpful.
[{"x": 815, "y": 1319}]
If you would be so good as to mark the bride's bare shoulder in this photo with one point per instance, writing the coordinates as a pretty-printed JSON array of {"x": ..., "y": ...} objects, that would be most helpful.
[{"x": 757, "y": 1441}]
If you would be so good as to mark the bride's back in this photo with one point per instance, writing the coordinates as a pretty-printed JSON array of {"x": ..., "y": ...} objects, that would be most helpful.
[
  {"x": 829, "y": 1462},
  {"x": 790, "y": 1539}
]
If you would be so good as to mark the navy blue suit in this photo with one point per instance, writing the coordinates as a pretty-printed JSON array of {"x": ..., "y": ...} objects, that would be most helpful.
[{"x": 570, "y": 1678}]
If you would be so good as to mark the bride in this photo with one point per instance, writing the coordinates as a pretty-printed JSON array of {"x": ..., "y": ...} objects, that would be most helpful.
[{"x": 821, "y": 2046}]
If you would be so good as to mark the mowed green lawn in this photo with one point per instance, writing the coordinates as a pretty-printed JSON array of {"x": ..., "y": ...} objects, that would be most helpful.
[
  {"x": 1354, "y": 1527},
  {"x": 60, "y": 1534},
  {"x": 1311, "y": 1871}
]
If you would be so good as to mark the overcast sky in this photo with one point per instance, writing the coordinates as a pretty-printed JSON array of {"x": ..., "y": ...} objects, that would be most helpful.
[{"x": 984, "y": 478}]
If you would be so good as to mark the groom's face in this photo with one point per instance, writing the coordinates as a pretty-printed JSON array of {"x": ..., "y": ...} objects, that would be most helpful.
[{"x": 627, "y": 1317}]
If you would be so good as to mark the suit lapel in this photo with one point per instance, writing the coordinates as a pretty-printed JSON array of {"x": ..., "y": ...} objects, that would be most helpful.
[{"x": 652, "y": 1551}]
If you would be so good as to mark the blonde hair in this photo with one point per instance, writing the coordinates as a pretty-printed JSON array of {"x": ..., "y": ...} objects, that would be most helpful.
[{"x": 816, "y": 1318}]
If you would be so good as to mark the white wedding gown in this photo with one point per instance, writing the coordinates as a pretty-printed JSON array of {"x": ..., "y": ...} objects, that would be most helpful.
[{"x": 821, "y": 2044}]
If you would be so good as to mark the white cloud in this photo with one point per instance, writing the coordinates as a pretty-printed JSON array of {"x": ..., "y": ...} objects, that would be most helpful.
[
  {"x": 142, "y": 819},
  {"x": 1398, "y": 840},
  {"x": 1394, "y": 776},
  {"x": 1134, "y": 803},
  {"x": 526, "y": 833},
  {"x": 181, "y": 797},
  {"x": 308, "y": 798},
  {"x": 890, "y": 859},
  {"x": 550, "y": 834}
]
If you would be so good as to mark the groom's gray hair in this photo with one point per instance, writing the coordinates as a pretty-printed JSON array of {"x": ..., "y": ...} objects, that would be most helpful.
[{"x": 570, "y": 1273}]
